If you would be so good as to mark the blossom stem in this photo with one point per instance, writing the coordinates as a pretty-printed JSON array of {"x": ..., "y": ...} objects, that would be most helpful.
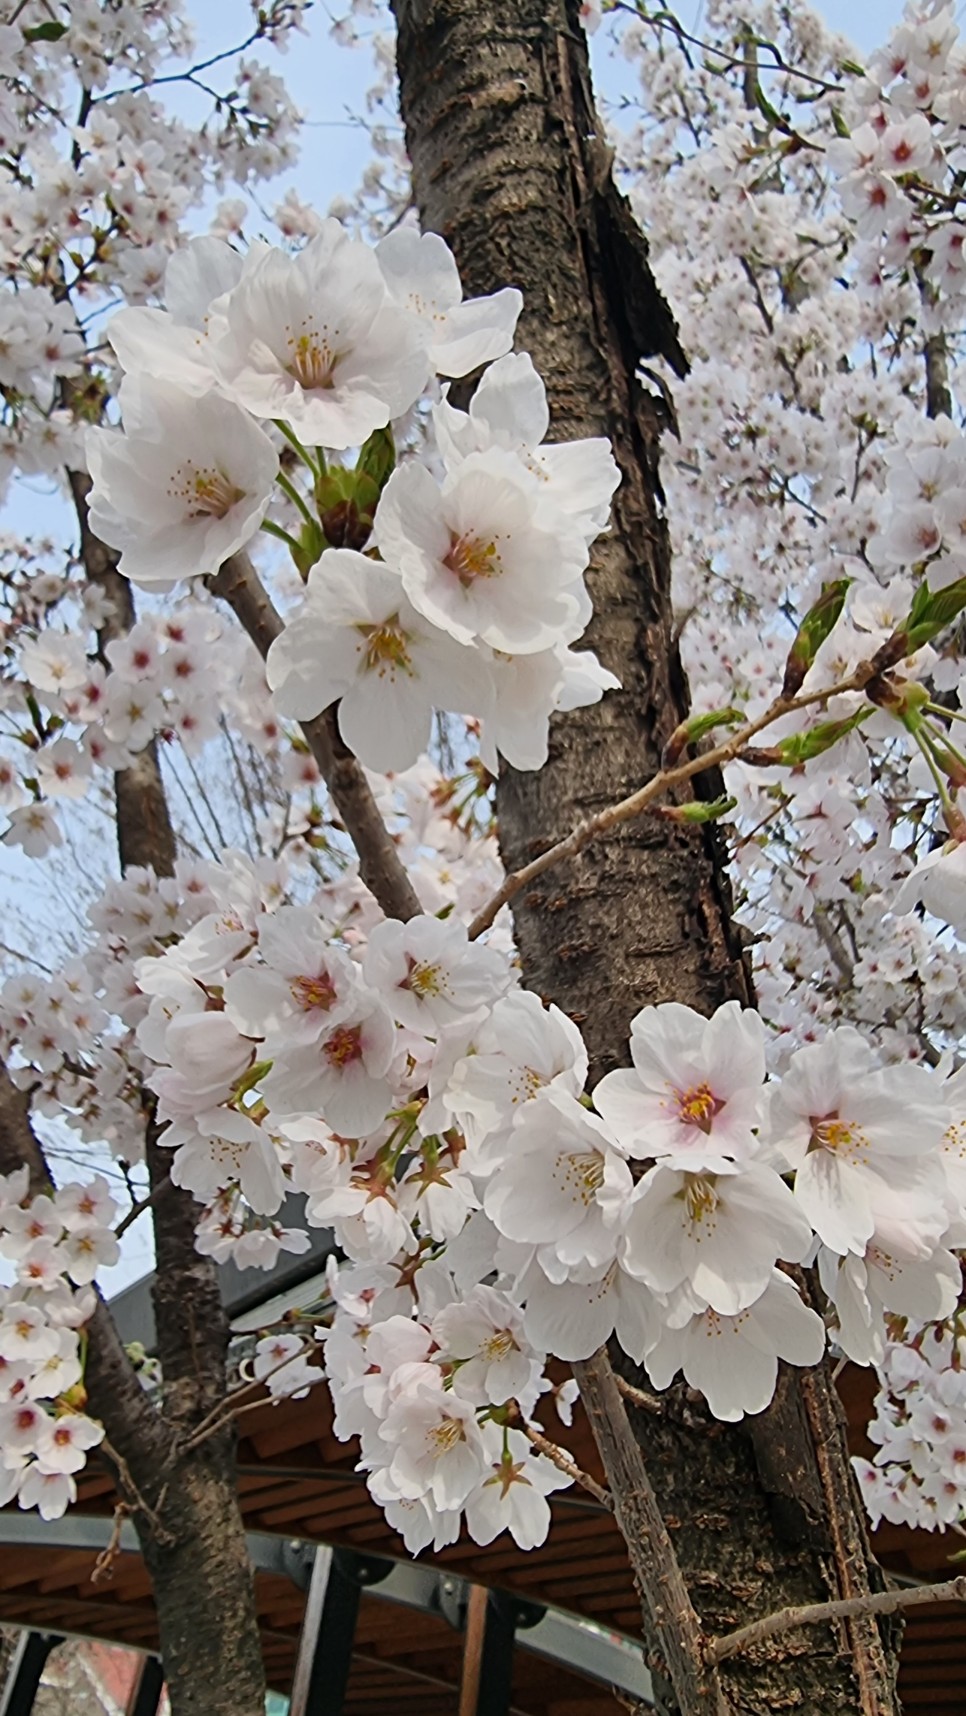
[
  {"x": 295, "y": 443},
  {"x": 947, "y": 714},
  {"x": 813, "y": 1614},
  {"x": 283, "y": 535},
  {"x": 940, "y": 738},
  {"x": 288, "y": 487},
  {"x": 924, "y": 742}
]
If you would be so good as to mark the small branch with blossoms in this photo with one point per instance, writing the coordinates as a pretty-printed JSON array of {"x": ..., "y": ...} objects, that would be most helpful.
[
  {"x": 643, "y": 800},
  {"x": 294, "y": 1362}
]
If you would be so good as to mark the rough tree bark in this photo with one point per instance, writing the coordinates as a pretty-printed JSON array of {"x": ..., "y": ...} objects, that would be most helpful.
[
  {"x": 510, "y": 167},
  {"x": 190, "y": 1530}
]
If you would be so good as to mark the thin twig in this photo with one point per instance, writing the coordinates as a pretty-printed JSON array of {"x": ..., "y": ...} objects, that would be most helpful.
[
  {"x": 813, "y": 1614},
  {"x": 674, "y": 1622},
  {"x": 240, "y": 1400},
  {"x": 147, "y": 1203},
  {"x": 637, "y": 1396},
  {"x": 640, "y": 800},
  {"x": 558, "y": 1458},
  {"x": 137, "y": 1501},
  {"x": 103, "y": 1568}
]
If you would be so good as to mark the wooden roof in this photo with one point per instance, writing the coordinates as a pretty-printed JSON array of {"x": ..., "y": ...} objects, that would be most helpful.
[{"x": 296, "y": 1482}]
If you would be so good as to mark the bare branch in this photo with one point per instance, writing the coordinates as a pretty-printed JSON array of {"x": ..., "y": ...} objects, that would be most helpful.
[
  {"x": 558, "y": 1458},
  {"x": 627, "y": 808},
  {"x": 656, "y": 1568},
  {"x": 813, "y": 1614},
  {"x": 637, "y": 1396},
  {"x": 380, "y": 866},
  {"x": 161, "y": 1189}
]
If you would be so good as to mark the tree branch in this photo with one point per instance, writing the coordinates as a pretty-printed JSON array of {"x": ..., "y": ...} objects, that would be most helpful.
[
  {"x": 657, "y": 1572},
  {"x": 164, "y": 1186},
  {"x": 637, "y": 802},
  {"x": 558, "y": 1458},
  {"x": 813, "y": 1614},
  {"x": 380, "y": 866}
]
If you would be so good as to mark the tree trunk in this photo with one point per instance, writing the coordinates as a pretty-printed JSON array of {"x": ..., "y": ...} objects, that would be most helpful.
[
  {"x": 510, "y": 167},
  {"x": 191, "y": 1533}
]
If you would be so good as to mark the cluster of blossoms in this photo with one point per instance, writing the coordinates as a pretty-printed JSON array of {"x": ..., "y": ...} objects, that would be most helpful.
[
  {"x": 800, "y": 465},
  {"x": 68, "y": 719},
  {"x": 102, "y": 215},
  {"x": 464, "y": 594},
  {"x": 55, "y": 1245},
  {"x": 433, "y": 1116},
  {"x": 916, "y": 1477}
]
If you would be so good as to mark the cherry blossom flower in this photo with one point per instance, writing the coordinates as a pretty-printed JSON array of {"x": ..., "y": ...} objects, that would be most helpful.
[
  {"x": 86, "y": 1250},
  {"x": 221, "y": 1147},
  {"x": 509, "y": 410},
  {"x": 437, "y": 1448},
  {"x": 316, "y": 340},
  {"x": 863, "y": 1288},
  {"x": 26, "y": 1334},
  {"x": 34, "y": 829},
  {"x": 564, "y": 1185},
  {"x": 572, "y": 1318},
  {"x": 206, "y": 1054},
  {"x": 187, "y": 485},
  {"x": 938, "y": 882},
  {"x": 694, "y": 1093},
  {"x": 68, "y": 1439},
  {"x": 513, "y": 1496},
  {"x": 358, "y": 639},
  {"x": 343, "y": 1075},
  {"x": 864, "y": 1144},
  {"x": 718, "y": 1233},
  {"x": 484, "y": 1333},
  {"x": 62, "y": 770},
  {"x": 477, "y": 559},
  {"x": 522, "y": 1049},
  {"x": 429, "y": 973},
  {"x": 422, "y": 277},
  {"x": 733, "y": 1360},
  {"x": 304, "y": 987},
  {"x": 174, "y": 344},
  {"x": 526, "y": 691},
  {"x": 47, "y": 1488}
]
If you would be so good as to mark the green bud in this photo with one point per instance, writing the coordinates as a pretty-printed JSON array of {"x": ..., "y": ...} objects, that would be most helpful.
[
  {"x": 800, "y": 748},
  {"x": 311, "y": 544},
  {"x": 931, "y": 612},
  {"x": 698, "y": 810},
  {"x": 688, "y": 732},
  {"x": 48, "y": 32},
  {"x": 378, "y": 458},
  {"x": 814, "y": 629}
]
